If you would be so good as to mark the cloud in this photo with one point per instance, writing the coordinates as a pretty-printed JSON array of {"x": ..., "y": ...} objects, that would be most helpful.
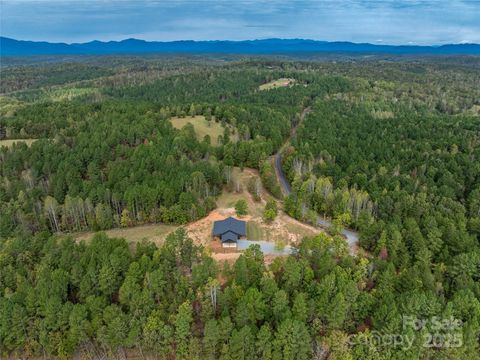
[{"x": 393, "y": 21}]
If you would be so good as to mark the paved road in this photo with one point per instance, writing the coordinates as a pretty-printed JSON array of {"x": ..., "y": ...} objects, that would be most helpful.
[
  {"x": 350, "y": 235},
  {"x": 284, "y": 184}
]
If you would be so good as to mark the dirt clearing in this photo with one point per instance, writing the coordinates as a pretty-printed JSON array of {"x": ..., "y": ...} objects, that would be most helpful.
[{"x": 283, "y": 230}]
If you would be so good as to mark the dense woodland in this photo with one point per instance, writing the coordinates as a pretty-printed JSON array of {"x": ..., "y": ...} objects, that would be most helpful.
[
  {"x": 101, "y": 161},
  {"x": 391, "y": 149}
]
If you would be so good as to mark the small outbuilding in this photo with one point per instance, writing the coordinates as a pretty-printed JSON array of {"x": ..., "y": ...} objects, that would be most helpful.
[{"x": 229, "y": 231}]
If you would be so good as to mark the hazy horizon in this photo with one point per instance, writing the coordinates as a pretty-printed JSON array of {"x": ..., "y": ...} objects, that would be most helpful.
[
  {"x": 399, "y": 22},
  {"x": 259, "y": 39}
]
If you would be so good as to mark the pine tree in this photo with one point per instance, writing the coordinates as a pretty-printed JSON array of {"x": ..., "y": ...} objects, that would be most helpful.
[
  {"x": 211, "y": 338},
  {"x": 183, "y": 323}
]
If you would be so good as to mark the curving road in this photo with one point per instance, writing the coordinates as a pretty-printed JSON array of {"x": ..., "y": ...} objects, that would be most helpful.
[
  {"x": 351, "y": 236},
  {"x": 282, "y": 179}
]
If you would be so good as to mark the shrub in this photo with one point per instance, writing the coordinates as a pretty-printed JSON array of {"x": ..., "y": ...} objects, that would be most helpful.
[{"x": 241, "y": 207}]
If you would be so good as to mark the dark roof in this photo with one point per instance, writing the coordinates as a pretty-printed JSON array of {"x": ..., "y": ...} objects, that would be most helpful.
[
  {"x": 229, "y": 224},
  {"x": 229, "y": 236}
]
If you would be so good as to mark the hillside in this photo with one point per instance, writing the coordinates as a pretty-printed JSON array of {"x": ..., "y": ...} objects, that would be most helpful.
[{"x": 12, "y": 47}]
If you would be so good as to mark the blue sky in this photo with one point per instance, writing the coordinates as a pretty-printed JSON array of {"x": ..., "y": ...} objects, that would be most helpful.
[{"x": 376, "y": 21}]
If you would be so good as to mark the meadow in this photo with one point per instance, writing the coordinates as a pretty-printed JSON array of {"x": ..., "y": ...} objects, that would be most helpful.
[
  {"x": 283, "y": 82},
  {"x": 202, "y": 127}
]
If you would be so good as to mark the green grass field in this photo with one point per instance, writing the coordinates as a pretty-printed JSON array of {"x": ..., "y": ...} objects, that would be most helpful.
[
  {"x": 201, "y": 125},
  {"x": 254, "y": 231},
  {"x": 10, "y": 142},
  {"x": 155, "y": 233},
  {"x": 283, "y": 82}
]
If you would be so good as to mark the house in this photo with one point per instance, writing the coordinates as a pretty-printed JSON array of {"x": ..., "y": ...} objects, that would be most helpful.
[{"x": 229, "y": 231}]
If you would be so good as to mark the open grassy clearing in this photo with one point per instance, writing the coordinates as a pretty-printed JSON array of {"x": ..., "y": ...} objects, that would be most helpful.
[
  {"x": 283, "y": 82},
  {"x": 475, "y": 110},
  {"x": 55, "y": 93},
  {"x": 10, "y": 142},
  {"x": 228, "y": 198},
  {"x": 8, "y": 105},
  {"x": 155, "y": 233},
  {"x": 201, "y": 126},
  {"x": 254, "y": 231}
]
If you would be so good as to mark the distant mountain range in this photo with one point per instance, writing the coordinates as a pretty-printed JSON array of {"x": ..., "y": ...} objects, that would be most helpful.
[{"x": 12, "y": 47}]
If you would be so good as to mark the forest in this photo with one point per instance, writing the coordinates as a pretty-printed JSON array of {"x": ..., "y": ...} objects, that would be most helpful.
[{"x": 390, "y": 149}]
